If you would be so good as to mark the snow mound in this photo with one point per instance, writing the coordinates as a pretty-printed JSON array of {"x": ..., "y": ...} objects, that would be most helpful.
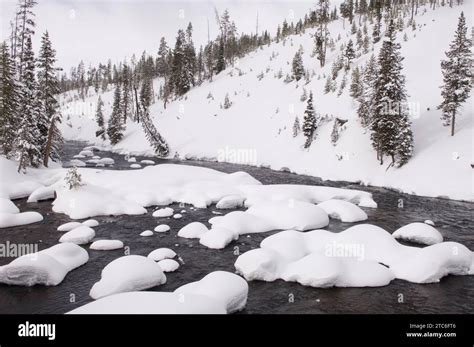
[
  {"x": 162, "y": 228},
  {"x": 106, "y": 245},
  {"x": 41, "y": 193},
  {"x": 132, "y": 160},
  {"x": 163, "y": 212},
  {"x": 218, "y": 238},
  {"x": 147, "y": 162},
  {"x": 429, "y": 222},
  {"x": 77, "y": 163},
  {"x": 193, "y": 230},
  {"x": 419, "y": 233},
  {"x": 152, "y": 303},
  {"x": 47, "y": 267},
  {"x": 135, "y": 166},
  {"x": 107, "y": 161},
  {"x": 177, "y": 216},
  {"x": 146, "y": 233},
  {"x": 127, "y": 274},
  {"x": 230, "y": 201},
  {"x": 69, "y": 226},
  {"x": 226, "y": 287},
  {"x": 80, "y": 235},
  {"x": 86, "y": 153},
  {"x": 7, "y": 206},
  {"x": 90, "y": 223},
  {"x": 15, "y": 219},
  {"x": 168, "y": 265},
  {"x": 162, "y": 253},
  {"x": 343, "y": 210}
]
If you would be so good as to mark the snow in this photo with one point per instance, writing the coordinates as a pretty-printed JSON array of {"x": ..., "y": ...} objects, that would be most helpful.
[
  {"x": 91, "y": 223},
  {"x": 15, "y": 219},
  {"x": 193, "y": 133},
  {"x": 193, "y": 230},
  {"x": 127, "y": 274},
  {"x": 419, "y": 233},
  {"x": 361, "y": 256},
  {"x": 41, "y": 193},
  {"x": 230, "y": 201},
  {"x": 343, "y": 210},
  {"x": 147, "y": 162},
  {"x": 135, "y": 166},
  {"x": 146, "y": 233},
  {"x": 162, "y": 228},
  {"x": 69, "y": 226},
  {"x": 168, "y": 265},
  {"x": 429, "y": 222},
  {"x": 218, "y": 238},
  {"x": 7, "y": 206},
  {"x": 107, "y": 161},
  {"x": 106, "y": 245},
  {"x": 152, "y": 303},
  {"x": 162, "y": 253},
  {"x": 132, "y": 160},
  {"x": 86, "y": 153},
  {"x": 77, "y": 163},
  {"x": 47, "y": 267},
  {"x": 228, "y": 288},
  {"x": 163, "y": 212},
  {"x": 80, "y": 235},
  {"x": 177, "y": 216}
]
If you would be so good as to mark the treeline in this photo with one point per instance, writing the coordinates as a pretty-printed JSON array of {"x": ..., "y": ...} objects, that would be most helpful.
[{"x": 29, "y": 111}]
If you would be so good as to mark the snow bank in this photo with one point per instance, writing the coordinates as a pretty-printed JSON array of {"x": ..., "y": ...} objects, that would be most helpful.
[
  {"x": 168, "y": 265},
  {"x": 343, "y": 210},
  {"x": 15, "y": 219},
  {"x": 152, "y": 303},
  {"x": 106, "y": 245},
  {"x": 193, "y": 230},
  {"x": 47, "y": 267},
  {"x": 419, "y": 233},
  {"x": 80, "y": 235},
  {"x": 162, "y": 253},
  {"x": 352, "y": 258},
  {"x": 127, "y": 274},
  {"x": 226, "y": 287}
]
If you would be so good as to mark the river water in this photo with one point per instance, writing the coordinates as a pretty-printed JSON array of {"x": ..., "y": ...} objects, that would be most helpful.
[{"x": 454, "y": 219}]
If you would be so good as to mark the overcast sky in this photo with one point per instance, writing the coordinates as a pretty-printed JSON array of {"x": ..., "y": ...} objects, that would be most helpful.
[{"x": 98, "y": 30}]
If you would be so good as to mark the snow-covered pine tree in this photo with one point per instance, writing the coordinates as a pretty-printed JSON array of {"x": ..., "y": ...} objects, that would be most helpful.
[
  {"x": 364, "y": 111},
  {"x": 29, "y": 145},
  {"x": 179, "y": 76},
  {"x": 190, "y": 55},
  {"x": 73, "y": 178},
  {"x": 158, "y": 143},
  {"x": 127, "y": 81},
  {"x": 115, "y": 126},
  {"x": 391, "y": 126},
  {"x": 9, "y": 102},
  {"x": 309, "y": 121},
  {"x": 457, "y": 75},
  {"x": 23, "y": 29},
  {"x": 349, "y": 54},
  {"x": 227, "y": 102},
  {"x": 321, "y": 37},
  {"x": 162, "y": 66},
  {"x": 356, "y": 83},
  {"x": 328, "y": 84},
  {"x": 378, "y": 22},
  {"x": 297, "y": 66},
  {"x": 99, "y": 118},
  {"x": 296, "y": 127},
  {"x": 48, "y": 88}
]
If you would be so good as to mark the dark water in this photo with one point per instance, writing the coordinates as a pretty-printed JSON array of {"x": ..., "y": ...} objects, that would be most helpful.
[{"x": 454, "y": 294}]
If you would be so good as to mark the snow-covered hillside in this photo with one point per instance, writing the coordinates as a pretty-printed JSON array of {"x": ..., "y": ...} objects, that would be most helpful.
[{"x": 257, "y": 128}]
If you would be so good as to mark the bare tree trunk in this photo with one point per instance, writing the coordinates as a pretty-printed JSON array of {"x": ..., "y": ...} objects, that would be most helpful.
[{"x": 453, "y": 120}]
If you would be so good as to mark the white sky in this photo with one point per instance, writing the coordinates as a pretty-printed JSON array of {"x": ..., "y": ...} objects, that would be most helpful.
[{"x": 97, "y": 30}]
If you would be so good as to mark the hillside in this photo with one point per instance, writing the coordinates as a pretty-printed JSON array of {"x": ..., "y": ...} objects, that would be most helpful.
[{"x": 257, "y": 128}]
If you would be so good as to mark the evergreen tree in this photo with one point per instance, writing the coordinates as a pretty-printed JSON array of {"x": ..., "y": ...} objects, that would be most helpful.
[
  {"x": 162, "y": 66},
  {"x": 391, "y": 126},
  {"x": 356, "y": 83},
  {"x": 29, "y": 137},
  {"x": 297, "y": 66},
  {"x": 309, "y": 121},
  {"x": 457, "y": 75},
  {"x": 115, "y": 126},
  {"x": 378, "y": 22},
  {"x": 154, "y": 137},
  {"x": 349, "y": 54},
  {"x": 321, "y": 38},
  {"x": 179, "y": 74},
  {"x": 365, "y": 98},
  {"x": 48, "y": 90},
  {"x": 99, "y": 118},
  {"x": 126, "y": 97},
  {"x": 146, "y": 94},
  {"x": 296, "y": 127},
  {"x": 220, "y": 64},
  {"x": 73, "y": 178},
  {"x": 24, "y": 28},
  {"x": 9, "y": 101},
  {"x": 190, "y": 55}
]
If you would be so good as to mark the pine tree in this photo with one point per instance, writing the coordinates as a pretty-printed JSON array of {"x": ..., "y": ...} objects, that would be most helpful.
[
  {"x": 146, "y": 93},
  {"x": 126, "y": 97},
  {"x": 296, "y": 127},
  {"x": 179, "y": 75},
  {"x": 190, "y": 55},
  {"x": 73, "y": 178},
  {"x": 309, "y": 121},
  {"x": 457, "y": 75},
  {"x": 356, "y": 83},
  {"x": 24, "y": 28},
  {"x": 227, "y": 102},
  {"x": 9, "y": 102},
  {"x": 349, "y": 54},
  {"x": 48, "y": 87},
  {"x": 220, "y": 64},
  {"x": 99, "y": 118},
  {"x": 29, "y": 136},
  {"x": 162, "y": 66},
  {"x": 297, "y": 66},
  {"x": 378, "y": 22},
  {"x": 391, "y": 126},
  {"x": 154, "y": 137},
  {"x": 321, "y": 38},
  {"x": 364, "y": 111},
  {"x": 115, "y": 126}
]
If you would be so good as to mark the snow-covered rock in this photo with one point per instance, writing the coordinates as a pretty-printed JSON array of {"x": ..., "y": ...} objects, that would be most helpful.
[
  {"x": 429, "y": 222},
  {"x": 228, "y": 288},
  {"x": 162, "y": 253},
  {"x": 90, "y": 223},
  {"x": 135, "y": 166},
  {"x": 107, "y": 161},
  {"x": 230, "y": 201},
  {"x": 77, "y": 163},
  {"x": 152, "y": 303},
  {"x": 146, "y": 233},
  {"x": 162, "y": 228},
  {"x": 47, "y": 267},
  {"x": 106, "y": 245},
  {"x": 193, "y": 230},
  {"x": 419, "y": 233},
  {"x": 87, "y": 153},
  {"x": 343, "y": 210},
  {"x": 177, "y": 216},
  {"x": 163, "y": 212},
  {"x": 69, "y": 226},
  {"x": 132, "y": 160},
  {"x": 42, "y": 193},
  {"x": 127, "y": 274},
  {"x": 80, "y": 235},
  {"x": 147, "y": 162},
  {"x": 7, "y": 206},
  {"x": 218, "y": 237},
  {"x": 15, "y": 219},
  {"x": 168, "y": 265}
]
